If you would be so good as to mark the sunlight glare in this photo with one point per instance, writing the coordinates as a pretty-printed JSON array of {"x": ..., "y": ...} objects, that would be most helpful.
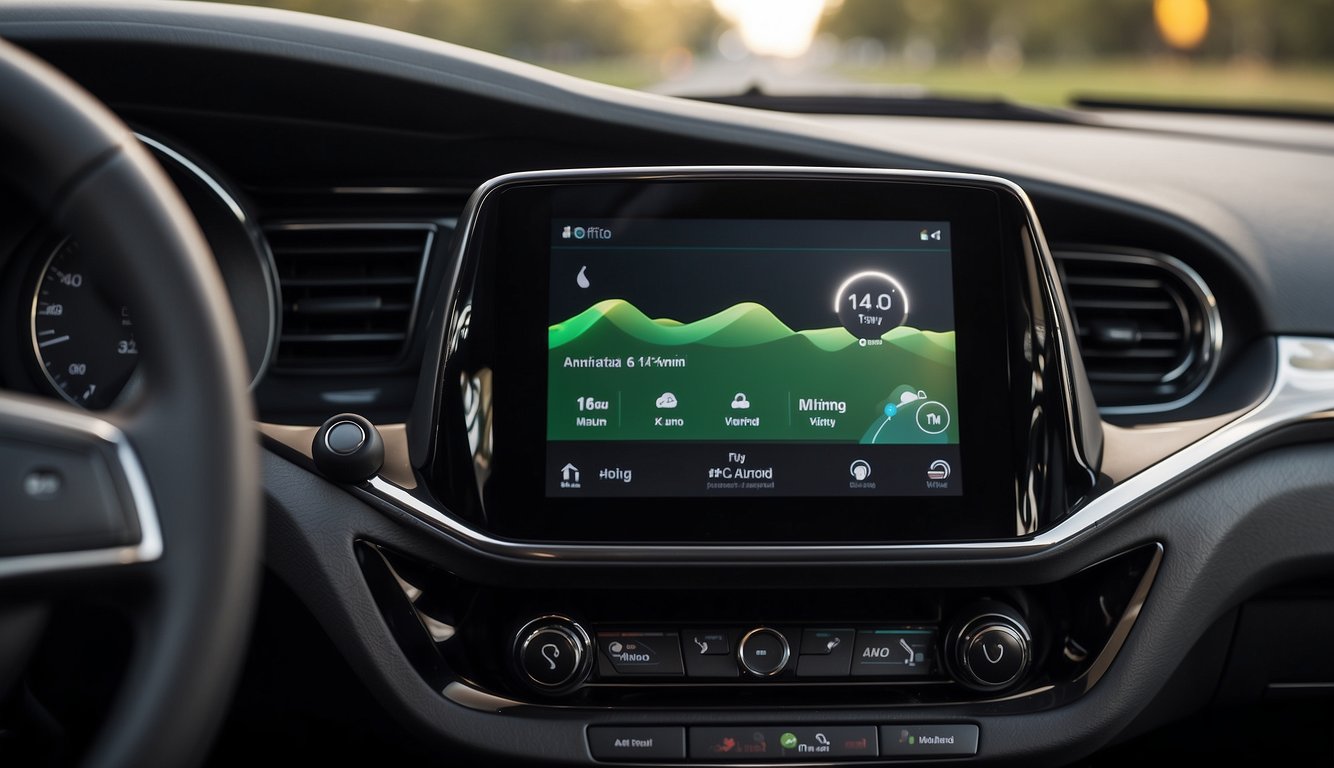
[
  {"x": 1182, "y": 23},
  {"x": 782, "y": 28}
]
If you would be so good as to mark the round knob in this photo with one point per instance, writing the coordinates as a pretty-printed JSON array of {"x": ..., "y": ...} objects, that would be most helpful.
[
  {"x": 552, "y": 654},
  {"x": 763, "y": 652},
  {"x": 992, "y": 651},
  {"x": 348, "y": 449}
]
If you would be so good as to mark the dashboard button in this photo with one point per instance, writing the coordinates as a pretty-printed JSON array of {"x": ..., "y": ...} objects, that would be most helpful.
[
  {"x": 345, "y": 437},
  {"x": 820, "y": 642},
  {"x": 639, "y": 653},
  {"x": 893, "y": 653},
  {"x": 823, "y": 742},
  {"x": 708, "y": 654},
  {"x": 928, "y": 740},
  {"x": 708, "y": 643},
  {"x": 825, "y": 653},
  {"x": 630, "y": 743},
  {"x": 734, "y": 743},
  {"x": 763, "y": 652}
]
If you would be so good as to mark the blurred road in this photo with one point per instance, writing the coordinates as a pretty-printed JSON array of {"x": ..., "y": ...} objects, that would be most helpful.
[{"x": 719, "y": 76}]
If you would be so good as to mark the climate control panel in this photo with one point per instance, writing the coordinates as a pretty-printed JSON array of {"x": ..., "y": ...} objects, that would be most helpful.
[
  {"x": 987, "y": 648},
  {"x": 614, "y": 647}
]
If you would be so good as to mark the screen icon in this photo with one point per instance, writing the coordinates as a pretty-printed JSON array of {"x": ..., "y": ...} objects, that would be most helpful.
[{"x": 933, "y": 417}]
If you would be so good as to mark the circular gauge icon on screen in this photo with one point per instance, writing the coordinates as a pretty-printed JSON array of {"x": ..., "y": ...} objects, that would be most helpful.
[{"x": 869, "y": 304}]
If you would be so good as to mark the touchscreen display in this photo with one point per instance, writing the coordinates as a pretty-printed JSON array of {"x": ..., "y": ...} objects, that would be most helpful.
[{"x": 731, "y": 357}]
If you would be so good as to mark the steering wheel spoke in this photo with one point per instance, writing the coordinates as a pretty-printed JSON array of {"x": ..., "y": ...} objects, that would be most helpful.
[{"x": 76, "y": 494}]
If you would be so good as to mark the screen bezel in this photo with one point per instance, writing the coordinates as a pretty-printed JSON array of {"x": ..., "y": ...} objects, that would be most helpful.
[{"x": 509, "y": 306}]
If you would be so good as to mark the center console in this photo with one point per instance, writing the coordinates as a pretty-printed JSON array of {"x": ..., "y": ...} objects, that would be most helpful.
[{"x": 684, "y": 415}]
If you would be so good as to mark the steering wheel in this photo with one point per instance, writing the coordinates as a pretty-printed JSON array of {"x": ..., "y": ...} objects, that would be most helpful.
[{"x": 152, "y": 506}]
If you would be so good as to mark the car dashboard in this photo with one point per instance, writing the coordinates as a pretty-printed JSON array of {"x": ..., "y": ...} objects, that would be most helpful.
[{"x": 1051, "y": 476}]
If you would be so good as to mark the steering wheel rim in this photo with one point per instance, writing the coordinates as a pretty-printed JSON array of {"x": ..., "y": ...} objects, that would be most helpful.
[{"x": 189, "y": 426}]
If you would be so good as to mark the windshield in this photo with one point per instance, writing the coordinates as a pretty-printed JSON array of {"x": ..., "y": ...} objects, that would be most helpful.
[{"x": 1257, "y": 54}]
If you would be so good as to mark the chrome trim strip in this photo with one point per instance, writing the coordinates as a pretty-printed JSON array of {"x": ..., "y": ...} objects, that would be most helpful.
[
  {"x": 476, "y": 700},
  {"x": 1303, "y": 392},
  {"x": 47, "y": 416},
  {"x": 198, "y": 173},
  {"x": 266, "y": 264},
  {"x": 1121, "y": 633},
  {"x": 1212, "y": 349}
]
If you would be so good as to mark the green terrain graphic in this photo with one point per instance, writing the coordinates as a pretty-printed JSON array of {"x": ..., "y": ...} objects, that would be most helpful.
[{"x": 742, "y": 374}]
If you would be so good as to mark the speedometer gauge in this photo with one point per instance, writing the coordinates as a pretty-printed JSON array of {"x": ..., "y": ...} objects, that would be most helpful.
[{"x": 84, "y": 340}]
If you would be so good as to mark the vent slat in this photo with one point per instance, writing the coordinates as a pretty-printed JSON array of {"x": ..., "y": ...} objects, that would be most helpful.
[
  {"x": 1142, "y": 325},
  {"x": 340, "y": 282},
  {"x": 1142, "y": 305},
  {"x": 1113, "y": 282},
  {"x": 337, "y": 338},
  {"x": 349, "y": 292},
  {"x": 1140, "y": 353},
  {"x": 298, "y": 251}
]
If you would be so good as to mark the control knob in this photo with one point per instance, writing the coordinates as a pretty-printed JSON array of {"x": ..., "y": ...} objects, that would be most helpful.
[
  {"x": 552, "y": 654},
  {"x": 763, "y": 652},
  {"x": 991, "y": 648}
]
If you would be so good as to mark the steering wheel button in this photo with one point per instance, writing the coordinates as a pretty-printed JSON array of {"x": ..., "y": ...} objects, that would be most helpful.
[{"x": 56, "y": 499}]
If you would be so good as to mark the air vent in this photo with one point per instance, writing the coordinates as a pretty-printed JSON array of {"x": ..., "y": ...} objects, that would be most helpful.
[
  {"x": 349, "y": 293},
  {"x": 1148, "y": 327}
]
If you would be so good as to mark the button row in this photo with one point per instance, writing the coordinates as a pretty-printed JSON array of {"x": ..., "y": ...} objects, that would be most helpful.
[
  {"x": 801, "y": 743},
  {"x": 813, "y": 653}
]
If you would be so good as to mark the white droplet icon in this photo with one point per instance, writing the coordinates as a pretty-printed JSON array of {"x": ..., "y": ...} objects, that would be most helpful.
[{"x": 582, "y": 279}]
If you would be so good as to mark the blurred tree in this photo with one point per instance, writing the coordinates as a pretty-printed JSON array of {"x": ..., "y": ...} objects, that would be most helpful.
[
  {"x": 1261, "y": 31},
  {"x": 1286, "y": 31},
  {"x": 542, "y": 30}
]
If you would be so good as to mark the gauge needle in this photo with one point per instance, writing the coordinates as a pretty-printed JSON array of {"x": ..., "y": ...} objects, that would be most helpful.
[{"x": 56, "y": 340}]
